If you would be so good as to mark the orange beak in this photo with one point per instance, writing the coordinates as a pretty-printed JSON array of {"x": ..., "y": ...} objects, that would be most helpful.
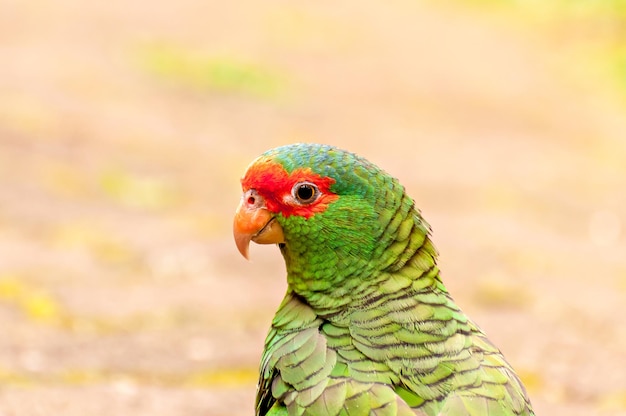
[{"x": 254, "y": 222}]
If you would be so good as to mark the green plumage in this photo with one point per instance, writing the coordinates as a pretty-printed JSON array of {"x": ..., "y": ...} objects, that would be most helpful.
[{"x": 367, "y": 327}]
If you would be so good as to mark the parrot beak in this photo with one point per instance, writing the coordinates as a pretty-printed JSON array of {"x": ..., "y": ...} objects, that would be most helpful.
[{"x": 254, "y": 222}]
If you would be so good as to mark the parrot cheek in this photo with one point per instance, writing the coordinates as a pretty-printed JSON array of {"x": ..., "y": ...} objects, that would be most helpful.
[{"x": 255, "y": 224}]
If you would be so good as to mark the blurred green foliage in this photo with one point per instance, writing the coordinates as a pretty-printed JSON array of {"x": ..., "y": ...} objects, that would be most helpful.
[
  {"x": 35, "y": 303},
  {"x": 200, "y": 72},
  {"x": 203, "y": 378},
  {"x": 94, "y": 239},
  {"x": 555, "y": 10},
  {"x": 592, "y": 31},
  {"x": 223, "y": 377},
  {"x": 136, "y": 191}
]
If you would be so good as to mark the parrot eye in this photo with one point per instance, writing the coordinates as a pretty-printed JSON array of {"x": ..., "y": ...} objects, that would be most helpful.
[{"x": 305, "y": 192}]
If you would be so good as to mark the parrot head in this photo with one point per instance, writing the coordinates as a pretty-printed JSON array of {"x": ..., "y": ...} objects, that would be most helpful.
[{"x": 332, "y": 213}]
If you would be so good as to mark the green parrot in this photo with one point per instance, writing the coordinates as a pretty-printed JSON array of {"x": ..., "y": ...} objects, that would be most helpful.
[{"x": 366, "y": 326}]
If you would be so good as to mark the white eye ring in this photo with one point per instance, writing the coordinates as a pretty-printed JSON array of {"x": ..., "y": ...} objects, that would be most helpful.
[{"x": 305, "y": 193}]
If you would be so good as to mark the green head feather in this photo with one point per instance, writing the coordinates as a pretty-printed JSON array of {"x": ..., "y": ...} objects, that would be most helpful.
[{"x": 369, "y": 227}]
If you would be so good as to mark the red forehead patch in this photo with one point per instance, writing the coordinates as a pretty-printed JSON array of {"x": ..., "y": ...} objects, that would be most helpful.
[{"x": 275, "y": 184}]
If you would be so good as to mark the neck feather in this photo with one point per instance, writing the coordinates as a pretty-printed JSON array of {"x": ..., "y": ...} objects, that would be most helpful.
[{"x": 334, "y": 277}]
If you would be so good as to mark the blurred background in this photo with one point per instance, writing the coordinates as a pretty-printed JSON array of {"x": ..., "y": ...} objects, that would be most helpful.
[{"x": 125, "y": 127}]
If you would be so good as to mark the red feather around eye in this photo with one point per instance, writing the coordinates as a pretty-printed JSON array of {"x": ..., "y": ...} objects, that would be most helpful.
[{"x": 274, "y": 184}]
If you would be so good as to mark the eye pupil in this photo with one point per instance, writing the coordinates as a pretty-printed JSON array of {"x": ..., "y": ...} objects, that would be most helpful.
[{"x": 305, "y": 192}]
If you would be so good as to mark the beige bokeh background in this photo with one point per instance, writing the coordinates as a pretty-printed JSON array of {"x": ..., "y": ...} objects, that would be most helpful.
[{"x": 125, "y": 126}]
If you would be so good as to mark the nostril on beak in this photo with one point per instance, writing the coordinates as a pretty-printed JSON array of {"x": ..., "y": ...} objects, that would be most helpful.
[{"x": 253, "y": 199}]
